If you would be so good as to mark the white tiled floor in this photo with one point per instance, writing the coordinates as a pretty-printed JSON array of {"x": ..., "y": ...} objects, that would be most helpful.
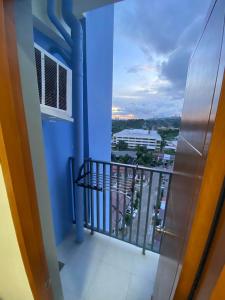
[{"x": 103, "y": 268}]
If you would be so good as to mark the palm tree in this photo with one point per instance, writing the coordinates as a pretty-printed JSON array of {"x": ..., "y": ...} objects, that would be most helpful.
[{"x": 163, "y": 144}]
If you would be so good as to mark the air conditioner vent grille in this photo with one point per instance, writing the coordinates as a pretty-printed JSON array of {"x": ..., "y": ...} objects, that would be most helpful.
[
  {"x": 50, "y": 82},
  {"x": 38, "y": 69},
  {"x": 54, "y": 85},
  {"x": 62, "y": 88}
]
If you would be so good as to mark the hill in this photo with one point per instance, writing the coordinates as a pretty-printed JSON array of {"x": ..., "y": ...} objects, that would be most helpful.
[{"x": 172, "y": 122}]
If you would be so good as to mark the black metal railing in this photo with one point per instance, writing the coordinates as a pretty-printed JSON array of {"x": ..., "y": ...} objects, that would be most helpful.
[{"x": 126, "y": 202}]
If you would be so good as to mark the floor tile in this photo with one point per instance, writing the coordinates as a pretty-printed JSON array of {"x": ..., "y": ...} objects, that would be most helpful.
[
  {"x": 103, "y": 268},
  {"x": 121, "y": 254},
  {"x": 77, "y": 275},
  {"x": 139, "y": 288},
  {"x": 109, "y": 283}
]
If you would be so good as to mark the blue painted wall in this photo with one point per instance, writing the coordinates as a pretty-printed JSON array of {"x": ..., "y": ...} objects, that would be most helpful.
[
  {"x": 58, "y": 144},
  {"x": 99, "y": 26},
  {"x": 58, "y": 140},
  {"x": 58, "y": 135},
  {"x": 47, "y": 43},
  {"x": 99, "y": 32}
]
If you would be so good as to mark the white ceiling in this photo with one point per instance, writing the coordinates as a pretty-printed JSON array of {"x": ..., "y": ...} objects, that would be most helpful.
[{"x": 82, "y": 6}]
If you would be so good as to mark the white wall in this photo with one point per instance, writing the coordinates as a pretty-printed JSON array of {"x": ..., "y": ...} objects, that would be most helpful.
[
  {"x": 14, "y": 283},
  {"x": 79, "y": 7},
  {"x": 39, "y": 10},
  {"x": 24, "y": 22}
]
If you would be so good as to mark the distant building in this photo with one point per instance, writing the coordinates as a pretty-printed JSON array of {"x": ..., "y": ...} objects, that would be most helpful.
[
  {"x": 138, "y": 137},
  {"x": 171, "y": 145},
  {"x": 167, "y": 157}
]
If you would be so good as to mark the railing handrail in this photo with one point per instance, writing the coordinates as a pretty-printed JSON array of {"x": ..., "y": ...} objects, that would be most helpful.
[{"x": 160, "y": 171}]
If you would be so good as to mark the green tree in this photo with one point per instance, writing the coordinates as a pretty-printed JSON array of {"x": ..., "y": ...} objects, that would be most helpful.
[
  {"x": 138, "y": 195},
  {"x": 128, "y": 219},
  {"x": 168, "y": 133},
  {"x": 140, "y": 152},
  {"x": 147, "y": 158},
  {"x": 122, "y": 145},
  {"x": 140, "y": 149},
  {"x": 136, "y": 203},
  {"x": 170, "y": 151},
  {"x": 144, "y": 157},
  {"x": 163, "y": 143},
  {"x": 125, "y": 159}
]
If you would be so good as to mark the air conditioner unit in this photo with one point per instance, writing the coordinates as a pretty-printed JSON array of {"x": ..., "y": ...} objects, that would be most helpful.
[{"x": 54, "y": 85}]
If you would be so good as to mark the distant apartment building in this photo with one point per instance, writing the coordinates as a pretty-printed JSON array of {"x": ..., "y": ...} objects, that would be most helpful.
[
  {"x": 171, "y": 145},
  {"x": 138, "y": 137}
]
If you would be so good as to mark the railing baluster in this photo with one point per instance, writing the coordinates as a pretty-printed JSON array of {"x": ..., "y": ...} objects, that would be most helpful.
[
  {"x": 139, "y": 208},
  {"x": 92, "y": 200},
  {"x": 110, "y": 201},
  {"x": 167, "y": 198},
  {"x": 107, "y": 184},
  {"x": 147, "y": 212},
  {"x": 156, "y": 210},
  {"x": 72, "y": 180},
  {"x": 97, "y": 196},
  {"x": 166, "y": 206},
  {"x": 104, "y": 196},
  {"x": 124, "y": 203},
  {"x": 132, "y": 202},
  {"x": 86, "y": 192},
  {"x": 117, "y": 200}
]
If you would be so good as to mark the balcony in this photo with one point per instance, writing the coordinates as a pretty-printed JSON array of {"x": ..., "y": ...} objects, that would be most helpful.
[
  {"x": 105, "y": 268},
  {"x": 123, "y": 213}
]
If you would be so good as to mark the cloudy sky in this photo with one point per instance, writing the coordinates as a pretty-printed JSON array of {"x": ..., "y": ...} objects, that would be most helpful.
[{"x": 153, "y": 40}]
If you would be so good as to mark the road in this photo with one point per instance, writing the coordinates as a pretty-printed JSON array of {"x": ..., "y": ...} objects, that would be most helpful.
[{"x": 143, "y": 212}]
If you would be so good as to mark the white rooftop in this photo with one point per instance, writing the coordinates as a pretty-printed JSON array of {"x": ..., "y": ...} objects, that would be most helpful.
[
  {"x": 139, "y": 133},
  {"x": 172, "y": 143}
]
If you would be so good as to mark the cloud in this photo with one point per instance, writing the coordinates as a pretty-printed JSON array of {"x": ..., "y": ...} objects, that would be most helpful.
[
  {"x": 157, "y": 25},
  {"x": 150, "y": 106},
  {"x": 127, "y": 96},
  {"x": 140, "y": 68},
  {"x": 119, "y": 113},
  {"x": 176, "y": 67},
  {"x": 165, "y": 32}
]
